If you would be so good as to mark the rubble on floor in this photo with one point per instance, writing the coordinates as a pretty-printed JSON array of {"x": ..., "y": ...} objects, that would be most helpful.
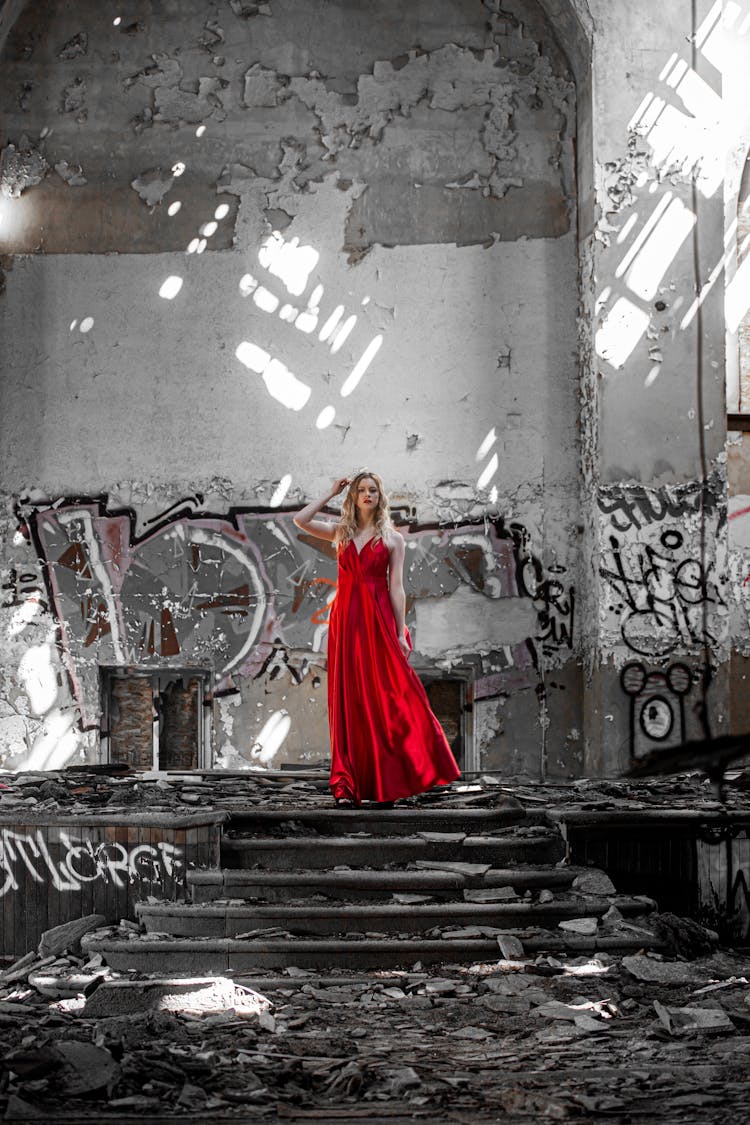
[
  {"x": 548, "y": 1037},
  {"x": 85, "y": 789},
  {"x": 601, "y": 1013}
]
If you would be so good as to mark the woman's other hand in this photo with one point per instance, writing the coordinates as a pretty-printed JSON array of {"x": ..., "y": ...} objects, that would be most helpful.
[{"x": 403, "y": 643}]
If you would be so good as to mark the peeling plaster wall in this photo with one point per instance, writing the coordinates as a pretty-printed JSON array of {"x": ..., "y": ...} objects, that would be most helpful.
[
  {"x": 245, "y": 248},
  {"x": 654, "y": 396}
]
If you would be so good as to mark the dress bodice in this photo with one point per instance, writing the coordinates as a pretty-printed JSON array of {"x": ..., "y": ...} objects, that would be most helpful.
[{"x": 368, "y": 565}]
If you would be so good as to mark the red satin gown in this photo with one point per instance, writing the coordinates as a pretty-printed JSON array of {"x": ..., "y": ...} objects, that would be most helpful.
[{"x": 385, "y": 741}]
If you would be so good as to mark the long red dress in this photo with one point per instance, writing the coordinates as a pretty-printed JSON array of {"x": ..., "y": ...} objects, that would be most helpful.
[{"x": 385, "y": 741}]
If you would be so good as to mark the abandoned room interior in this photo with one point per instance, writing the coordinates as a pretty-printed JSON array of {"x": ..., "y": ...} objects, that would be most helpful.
[{"x": 498, "y": 252}]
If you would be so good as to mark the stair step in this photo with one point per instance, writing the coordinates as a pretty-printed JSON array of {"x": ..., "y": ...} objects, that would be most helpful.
[
  {"x": 226, "y": 955},
  {"x": 400, "y": 820},
  {"x": 292, "y": 852},
  {"x": 227, "y": 920},
  {"x": 356, "y": 884}
]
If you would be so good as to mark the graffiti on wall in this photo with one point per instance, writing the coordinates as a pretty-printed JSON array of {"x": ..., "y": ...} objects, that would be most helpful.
[
  {"x": 657, "y": 704},
  {"x": 663, "y": 592},
  {"x": 75, "y": 860},
  {"x": 247, "y": 594}
]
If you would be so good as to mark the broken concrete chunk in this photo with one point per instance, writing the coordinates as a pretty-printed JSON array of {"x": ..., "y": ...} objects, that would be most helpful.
[
  {"x": 586, "y": 927},
  {"x": 152, "y": 186},
  {"x": 659, "y": 972},
  {"x": 510, "y": 947},
  {"x": 68, "y": 935},
  {"x": 612, "y": 918},
  {"x": 86, "y": 1068},
  {"x": 20, "y": 168},
  {"x": 491, "y": 894},
  {"x": 456, "y": 866},
  {"x": 210, "y": 994},
  {"x": 685, "y": 937},
  {"x": 594, "y": 883},
  {"x": 677, "y": 1020},
  {"x": 475, "y": 1034}
]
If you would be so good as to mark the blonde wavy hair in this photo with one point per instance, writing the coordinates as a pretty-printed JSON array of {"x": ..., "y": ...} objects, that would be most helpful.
[{"x": 348, "y": 526}]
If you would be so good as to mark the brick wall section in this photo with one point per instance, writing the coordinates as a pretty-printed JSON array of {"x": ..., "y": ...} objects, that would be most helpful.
[
  {"x": 130, "y": 721},
  {"x": 179, "y": 725}
]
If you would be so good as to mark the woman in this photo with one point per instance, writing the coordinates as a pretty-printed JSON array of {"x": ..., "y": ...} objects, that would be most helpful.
[{"x": 385, "y": 741}]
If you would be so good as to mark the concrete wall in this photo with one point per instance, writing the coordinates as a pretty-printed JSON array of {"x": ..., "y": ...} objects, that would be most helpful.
[
  {"x": 663, "y": 588},
  {"x": 249, "y": 247},
  {"x": 388, "y": 275}
]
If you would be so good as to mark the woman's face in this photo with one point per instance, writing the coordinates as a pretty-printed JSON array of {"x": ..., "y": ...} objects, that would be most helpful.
[{"x": 367, "y": 496}]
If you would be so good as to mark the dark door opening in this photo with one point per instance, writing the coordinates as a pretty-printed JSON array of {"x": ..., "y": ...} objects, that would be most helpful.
[
  {"x": 447, "y": 701},
  {"x": 155, "y": 720}
]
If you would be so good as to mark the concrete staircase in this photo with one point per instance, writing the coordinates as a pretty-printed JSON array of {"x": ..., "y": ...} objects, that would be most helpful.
[{"x": 371, "y": 888}]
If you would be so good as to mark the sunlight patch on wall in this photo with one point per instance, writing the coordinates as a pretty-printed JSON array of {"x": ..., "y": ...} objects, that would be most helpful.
[
  {"x": 56, "y": 745},
  {"x": 288, "y": 261},
  {"x": 271, "y": 737},
  {"x": 360, "y": 367},
  {"x": 658, "y": 249},
  {"x": 281, "y": 383},
  {"x": 620, "y": 332},
  {"x": 326, "y": 416},
  {"x": 281, "y": 490},
  {"x": 23, "y": 616},
  {"x": 170, "y": 288},
  {"x": 737, "y": 297},
  {"x": 38, "y": 677}
]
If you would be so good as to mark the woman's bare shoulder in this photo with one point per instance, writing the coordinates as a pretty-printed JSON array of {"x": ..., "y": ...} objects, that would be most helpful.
[{"x": 394, "y": 540}]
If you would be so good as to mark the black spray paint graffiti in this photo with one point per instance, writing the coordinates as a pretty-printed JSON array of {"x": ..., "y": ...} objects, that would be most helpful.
[
  {"x": 657, "y": 705},
  {"x": 642, "y": 507},
  {"x": 661, "y": 595},
  {"x": 554, "y": 603}
]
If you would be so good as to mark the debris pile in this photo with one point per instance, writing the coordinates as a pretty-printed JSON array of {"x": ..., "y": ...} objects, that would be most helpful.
[
  {"x": 86, "y": 789},
  {"x": 549, "y": 1037}
]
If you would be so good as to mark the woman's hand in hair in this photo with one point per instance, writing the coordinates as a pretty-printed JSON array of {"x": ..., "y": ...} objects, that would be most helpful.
[{"x": 339, "y": 485}]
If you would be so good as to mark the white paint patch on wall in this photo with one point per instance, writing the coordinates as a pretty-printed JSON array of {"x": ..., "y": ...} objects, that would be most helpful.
[{"x": 470, "y": 622}]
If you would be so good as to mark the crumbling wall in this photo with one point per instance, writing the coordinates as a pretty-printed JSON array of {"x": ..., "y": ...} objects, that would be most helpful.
[
  {"x": 659, "y": 533},
  {"x": 248, "y": 247}
]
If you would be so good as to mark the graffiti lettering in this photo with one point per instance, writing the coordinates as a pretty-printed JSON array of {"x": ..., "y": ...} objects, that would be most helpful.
[
  {"x": 76, "y": 862},
  {"x": 642, "y": 507},
  {"x": 660, "y": 596}
]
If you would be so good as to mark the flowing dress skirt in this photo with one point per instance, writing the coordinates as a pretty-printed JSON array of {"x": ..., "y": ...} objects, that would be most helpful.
[{"x": 385, "y": 741}]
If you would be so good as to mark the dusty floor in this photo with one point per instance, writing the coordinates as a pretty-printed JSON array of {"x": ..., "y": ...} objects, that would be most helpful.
[
  {"x": 80, "y": 789},
  {"x": 638, "y": 1039},
  {"x": 631, "y": 1039}
]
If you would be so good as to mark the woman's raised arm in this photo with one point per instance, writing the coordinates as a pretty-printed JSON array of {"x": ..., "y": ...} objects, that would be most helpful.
[{"x": 321, "y": 529}]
